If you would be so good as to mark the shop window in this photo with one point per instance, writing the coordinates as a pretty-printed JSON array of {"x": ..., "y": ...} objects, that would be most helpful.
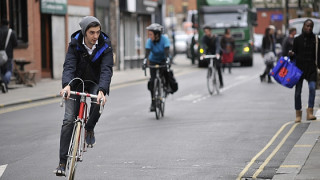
[
  {"x": 19, "y": 20},
  {"x": 3, "y": 9}
]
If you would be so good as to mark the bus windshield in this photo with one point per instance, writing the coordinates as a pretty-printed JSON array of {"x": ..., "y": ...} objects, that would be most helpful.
[{"x": 224, "y": 20}]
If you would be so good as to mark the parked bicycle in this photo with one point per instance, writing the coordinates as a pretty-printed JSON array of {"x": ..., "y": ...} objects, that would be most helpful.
[
  {"x": 213, "y": 83},
  {"x": 160, "y": 90},
  {"x": 78, "y": 144}
]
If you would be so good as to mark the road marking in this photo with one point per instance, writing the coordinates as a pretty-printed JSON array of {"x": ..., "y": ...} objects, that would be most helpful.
[
  {"x": 263, "y": 150},
  {"x": 195, "y": 98},
  {"x": 302, "y": 145},
  {"x": 243, "y": 79},
  {"x": 274, "y": 152},
  {"x": 25, "y": 106},
  {"x": 312, "y": 132},
  {"x": 2, "y": 169},
  {"x": 290, "y": 166}
]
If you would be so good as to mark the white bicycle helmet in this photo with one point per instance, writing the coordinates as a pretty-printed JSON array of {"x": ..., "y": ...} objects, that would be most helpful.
[{"x": 155, "y": 27}]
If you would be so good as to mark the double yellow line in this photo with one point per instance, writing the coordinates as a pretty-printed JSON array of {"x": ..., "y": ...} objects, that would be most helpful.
[{"x": 255, "y": 175}]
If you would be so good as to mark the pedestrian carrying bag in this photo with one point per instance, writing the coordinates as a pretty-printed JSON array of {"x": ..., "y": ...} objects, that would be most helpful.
[
  {"x": 286, "y": 72},
  {"x": 3, "y": 54}
]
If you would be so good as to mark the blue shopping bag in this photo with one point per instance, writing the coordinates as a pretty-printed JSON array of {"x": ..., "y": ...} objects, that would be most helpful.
[{"x": 286, "y": 72}]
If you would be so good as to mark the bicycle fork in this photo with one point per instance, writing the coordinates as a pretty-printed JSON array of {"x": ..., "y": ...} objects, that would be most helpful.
[{"x": 80, "y": 121}]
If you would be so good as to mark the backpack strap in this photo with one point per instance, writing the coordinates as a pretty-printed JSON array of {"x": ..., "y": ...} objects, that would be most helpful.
[
  {"x": 316, "y": 36},
  {"x": 8, "y": 37}
]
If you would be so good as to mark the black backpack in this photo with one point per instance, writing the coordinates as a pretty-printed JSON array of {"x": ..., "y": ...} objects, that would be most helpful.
[{"x": 171, "y": 82}]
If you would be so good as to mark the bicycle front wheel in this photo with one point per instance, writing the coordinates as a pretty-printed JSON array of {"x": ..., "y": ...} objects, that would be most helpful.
[
  {"x": 216, "y": 83},
  {"x": 74, "y": 150},
  {"x": 163, "y": 100},
  {"x": 157, "y": 97},
  {"x": 210, "y": 81}
]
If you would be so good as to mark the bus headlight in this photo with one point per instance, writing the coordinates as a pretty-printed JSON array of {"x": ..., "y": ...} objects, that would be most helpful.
[{"x": 246, "y": 49}]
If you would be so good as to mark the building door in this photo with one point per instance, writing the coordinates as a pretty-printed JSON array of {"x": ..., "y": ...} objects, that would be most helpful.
[{"x": 46, "y": 46}]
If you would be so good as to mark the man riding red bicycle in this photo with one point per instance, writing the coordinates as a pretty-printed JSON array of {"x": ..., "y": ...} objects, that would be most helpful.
[{"x": 89, "y": 57}]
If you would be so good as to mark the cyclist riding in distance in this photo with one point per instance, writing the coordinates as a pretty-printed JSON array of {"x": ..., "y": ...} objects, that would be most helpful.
[
  {"x": 211, "y": 46},
  {"x": 89, "y": 57},
  {"x": 157, "y": 52}
]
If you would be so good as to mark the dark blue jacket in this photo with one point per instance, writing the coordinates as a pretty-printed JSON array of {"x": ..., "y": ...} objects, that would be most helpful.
[{"x": 96, "y": 67}]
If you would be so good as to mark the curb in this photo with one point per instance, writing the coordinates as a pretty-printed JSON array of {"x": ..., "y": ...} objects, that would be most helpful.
[{"x": 299, "y": 154}]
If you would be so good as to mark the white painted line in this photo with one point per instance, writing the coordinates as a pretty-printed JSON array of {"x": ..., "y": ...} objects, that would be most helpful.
[{"x": 2, "y": 169}]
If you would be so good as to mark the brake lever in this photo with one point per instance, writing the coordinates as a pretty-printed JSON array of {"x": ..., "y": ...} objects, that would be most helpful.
[
  {"x": 101, "y": 106},
  {"x": 63, "y": 99}
]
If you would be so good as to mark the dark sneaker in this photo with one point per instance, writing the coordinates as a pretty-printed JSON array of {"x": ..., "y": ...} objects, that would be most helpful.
[
  {"x": 153, "y": 106},
  {"x": 4, "y": 88},
  {"x": 262, "y": 78},
  {"x": 61, "y": 170},
  {"x": 90, "y": 139}
]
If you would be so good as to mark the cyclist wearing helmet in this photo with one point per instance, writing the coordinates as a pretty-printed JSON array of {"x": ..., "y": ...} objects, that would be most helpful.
[
  {"x": 157, "y": 52},
  {"x": 211, "y": 45}
]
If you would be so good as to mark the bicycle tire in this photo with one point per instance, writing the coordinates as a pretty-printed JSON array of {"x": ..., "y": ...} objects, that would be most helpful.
[
  {"x": 215, "y": 82},
  {"x": 74, "y": 151},
  {"x": 157, "y": 97},
  {"x": 210, "y": 81},
  {"x": 162, "y": 100}
]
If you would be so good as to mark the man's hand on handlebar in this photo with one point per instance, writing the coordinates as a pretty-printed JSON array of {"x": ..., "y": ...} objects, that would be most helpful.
[
  {"x": 65, "y": 92},
  {"x": 101, "y": 98},
  {"x": 218, "y": 56}
]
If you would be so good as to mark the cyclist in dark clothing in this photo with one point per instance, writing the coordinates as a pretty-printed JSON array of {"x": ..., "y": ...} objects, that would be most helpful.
[
  {"x": 89, "y": 57},
  {"x": 211, "y": 46}
]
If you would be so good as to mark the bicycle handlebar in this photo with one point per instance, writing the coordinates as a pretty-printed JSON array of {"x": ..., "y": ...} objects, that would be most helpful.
[
  {"x": 82, "y": 94},
  {"x": 208, "y": 57},
  {"x": 157, "y": 66}
]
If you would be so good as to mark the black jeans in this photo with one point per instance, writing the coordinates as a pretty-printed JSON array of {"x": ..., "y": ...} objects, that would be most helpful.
[
  {"x": 153, "y": 75},
  {"x": 71, "y": 113},
  {"x": 269, "y": 67}
]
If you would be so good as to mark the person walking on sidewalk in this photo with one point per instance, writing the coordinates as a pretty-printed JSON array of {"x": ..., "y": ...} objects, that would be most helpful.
[
  {"x": 89, "y": 57},
  {"x": 7, "y": 68},
  {"x": 268, "y": 52},
  {"x": 287, "y": 44},
  {"x": 304, "y": 51},
  {"x": 227, "y": 46},
  {"x": 157, "y": 52}
]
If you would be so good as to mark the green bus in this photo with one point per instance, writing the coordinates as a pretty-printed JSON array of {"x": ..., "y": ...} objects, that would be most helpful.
[{"x": 238, "y": 15}]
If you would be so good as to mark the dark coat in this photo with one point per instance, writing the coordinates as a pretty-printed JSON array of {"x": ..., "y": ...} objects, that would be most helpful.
[
  {"x": 9, "y": 50},
  {"x": 304, "y": 54},
  {"x": 287, "y": 45},
  {"x": 211, "y": 45},
  {"x": 96, "y": 67},
  {"x": 267, "y": 44}
]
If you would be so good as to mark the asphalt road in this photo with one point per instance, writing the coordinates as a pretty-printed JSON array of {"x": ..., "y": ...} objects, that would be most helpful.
[{"x": 200, "y": 137}]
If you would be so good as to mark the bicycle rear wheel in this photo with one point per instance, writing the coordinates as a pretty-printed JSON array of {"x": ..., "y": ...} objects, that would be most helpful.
[
  {"x": 73, "y": 150},
  {"x": 210, "y": 81},
  {"x": 157, "y": 97}
]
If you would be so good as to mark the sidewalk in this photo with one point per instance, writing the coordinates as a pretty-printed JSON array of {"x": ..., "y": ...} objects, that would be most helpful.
[
  {"x": 302, "y": 163},
  {"x": 50, "y": 88}
]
